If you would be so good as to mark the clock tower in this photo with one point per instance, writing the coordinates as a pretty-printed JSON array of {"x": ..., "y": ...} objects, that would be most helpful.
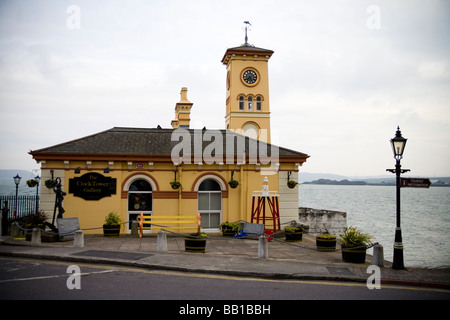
[{"x": 247, "y": 98}]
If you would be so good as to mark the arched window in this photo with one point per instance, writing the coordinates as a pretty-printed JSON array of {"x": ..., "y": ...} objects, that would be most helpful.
[
  {"x": 250, "y": 103},
  {"x": 140, "y": 199},
  {"x": 241, "y": 103},
  {"x": 251, "y": 130},
  {"x": 258, "y": 103},
  {"x": 210, "y": 204}
]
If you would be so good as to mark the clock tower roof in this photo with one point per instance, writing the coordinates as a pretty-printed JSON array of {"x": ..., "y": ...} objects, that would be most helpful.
[{"x": 246, "y": 49}]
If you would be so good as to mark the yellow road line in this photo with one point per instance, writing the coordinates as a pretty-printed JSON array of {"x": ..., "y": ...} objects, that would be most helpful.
[{"x": 229, "y": 277}]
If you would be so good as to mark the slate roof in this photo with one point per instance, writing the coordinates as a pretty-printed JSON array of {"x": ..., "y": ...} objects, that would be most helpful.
[
  {"x": 121, "y": 143},
  {"x": 246, "y": 49}
]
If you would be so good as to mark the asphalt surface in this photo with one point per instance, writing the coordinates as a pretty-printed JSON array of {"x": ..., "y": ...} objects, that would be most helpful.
[{"x": 225, "y": 255}]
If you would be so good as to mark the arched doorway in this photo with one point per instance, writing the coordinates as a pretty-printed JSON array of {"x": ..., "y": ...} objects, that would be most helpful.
[
  {"x": 210, "y": 204},
  {"x": 140, "y": 199}
]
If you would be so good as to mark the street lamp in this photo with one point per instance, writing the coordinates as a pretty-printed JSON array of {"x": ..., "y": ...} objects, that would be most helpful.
[
  {"x": 398, "y": 146},
  {"x": 38, "y": 179},
  {"x": 17, "y": 182}
]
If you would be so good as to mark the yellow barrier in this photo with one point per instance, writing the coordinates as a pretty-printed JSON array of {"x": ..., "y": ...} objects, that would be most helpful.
[{"x": 164, "y": 221}]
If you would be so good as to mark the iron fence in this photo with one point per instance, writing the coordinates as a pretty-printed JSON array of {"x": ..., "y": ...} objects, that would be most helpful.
[{"x": 25, "y": 205}]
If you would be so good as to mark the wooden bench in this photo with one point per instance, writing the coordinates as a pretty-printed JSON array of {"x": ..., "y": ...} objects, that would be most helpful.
[{"x": 168, "y": 222}]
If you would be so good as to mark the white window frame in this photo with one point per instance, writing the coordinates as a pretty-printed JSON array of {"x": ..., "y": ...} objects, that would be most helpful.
[
  {"x": 209, "y": 210},
  {"x": 138, "y": 212}
]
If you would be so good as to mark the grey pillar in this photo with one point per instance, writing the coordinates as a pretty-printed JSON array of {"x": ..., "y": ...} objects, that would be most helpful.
[
  {"x": 378, "y": 255},
  {"x": 161, "y": 242},
  {"x": 134, "y": 228},
  {"x": 36, "y": 237},
  {"x": 78, "y": 239},
  {"x": 15, "y": 231},
  {"x": 263, "y": 247}
]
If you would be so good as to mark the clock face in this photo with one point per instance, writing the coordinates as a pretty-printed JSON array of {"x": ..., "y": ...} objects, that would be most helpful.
[{"x": 250, "y": 76}]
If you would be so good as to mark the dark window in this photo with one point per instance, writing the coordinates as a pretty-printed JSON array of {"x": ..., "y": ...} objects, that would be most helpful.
[
  {"x": 258, "y": 104},
  {"x": 241, "y": 103}
]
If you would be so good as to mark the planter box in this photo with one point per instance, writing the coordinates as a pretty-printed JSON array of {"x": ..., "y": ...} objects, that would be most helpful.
[
  {"x": 45, "y": 237},
  {"x": 294, "y": 236},
  {"x": 228, "y": 232},
  {"x": 325, "y": 244},
  {"x": 354, "y": 256},
  {"x": 111, "y": 231},
  {"x": 195, "y": 245}
]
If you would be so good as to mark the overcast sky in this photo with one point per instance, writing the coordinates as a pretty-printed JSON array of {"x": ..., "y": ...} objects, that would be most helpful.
[{"x": 343, "y": 76}]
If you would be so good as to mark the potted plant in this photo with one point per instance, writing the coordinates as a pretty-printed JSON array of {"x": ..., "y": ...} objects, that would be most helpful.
[
  {"x": 325, "y": 242},
  {"x": 36, "y": 220},
  {"x": 354, "y": 245},
  {"x": 229, "y": 228},
  {"x": 175, "y": 184},
  {"x": 291, "y": 184},
  {"x": 111, "y": 227},
  {"x": 293, "y": 233},
  {"x": 195, "y": 242},
  {"x": 233, "y": 183}
]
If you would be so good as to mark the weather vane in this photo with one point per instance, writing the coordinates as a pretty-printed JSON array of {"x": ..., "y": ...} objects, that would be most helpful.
[{"x": 247, "y": 26}]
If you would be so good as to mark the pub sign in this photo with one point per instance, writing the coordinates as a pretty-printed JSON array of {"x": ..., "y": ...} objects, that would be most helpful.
[{"x": 92, "y": 186}]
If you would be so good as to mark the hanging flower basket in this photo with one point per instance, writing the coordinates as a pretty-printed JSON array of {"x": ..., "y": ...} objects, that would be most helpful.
[
  {"x": 291, "y": 184},
  {"x": 50, "y": 183},
  {"x": 233, "y": 183},
  {"x": 175, "y": 184},
  {"x": 32, "y": 183}
]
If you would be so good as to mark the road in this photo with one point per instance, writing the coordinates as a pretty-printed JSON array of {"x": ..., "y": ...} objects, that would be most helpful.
[{"x": 43, "y": 279}]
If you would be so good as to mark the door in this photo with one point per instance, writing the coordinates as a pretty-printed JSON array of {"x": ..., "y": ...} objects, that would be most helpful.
[{"x": 140, "y": 199}]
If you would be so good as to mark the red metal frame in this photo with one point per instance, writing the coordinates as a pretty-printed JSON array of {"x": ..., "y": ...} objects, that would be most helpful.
[{"x": 260, "y": 209}]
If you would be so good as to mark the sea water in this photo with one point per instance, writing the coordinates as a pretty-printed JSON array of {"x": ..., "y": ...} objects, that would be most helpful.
[{"x": 425, "y": 217}]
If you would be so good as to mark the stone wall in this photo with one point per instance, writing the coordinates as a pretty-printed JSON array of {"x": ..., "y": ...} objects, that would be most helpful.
[{"x": 321, "y": 220}]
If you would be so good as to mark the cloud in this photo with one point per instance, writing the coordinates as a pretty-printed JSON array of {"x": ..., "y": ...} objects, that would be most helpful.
[{"x": 338, "y": 88}]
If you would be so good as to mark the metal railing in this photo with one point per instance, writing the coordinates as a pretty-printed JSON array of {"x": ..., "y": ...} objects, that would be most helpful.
[{"x": 25, "y": 205}]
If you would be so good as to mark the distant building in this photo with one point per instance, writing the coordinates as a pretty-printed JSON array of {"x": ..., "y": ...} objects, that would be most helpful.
[{"x": 130, "y": 170}]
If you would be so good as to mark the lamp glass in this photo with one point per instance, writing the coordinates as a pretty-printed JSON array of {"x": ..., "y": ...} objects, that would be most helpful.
[
  {"x": 398, "y": 147},
  {"x": 398, "y": 144},
  {"x": 17, "y": 179}
]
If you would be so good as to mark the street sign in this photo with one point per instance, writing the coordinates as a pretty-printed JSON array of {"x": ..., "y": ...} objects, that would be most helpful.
[{"x": 415, "y": 183}]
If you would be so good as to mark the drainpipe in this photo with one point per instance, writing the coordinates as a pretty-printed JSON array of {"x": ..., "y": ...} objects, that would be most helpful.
[
  {"x": 179, "y": 190},
  {"x": 243, "y": 187}
]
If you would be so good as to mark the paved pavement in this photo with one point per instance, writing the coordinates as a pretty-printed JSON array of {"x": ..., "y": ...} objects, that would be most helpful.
[{"x": 224, "y": 255}]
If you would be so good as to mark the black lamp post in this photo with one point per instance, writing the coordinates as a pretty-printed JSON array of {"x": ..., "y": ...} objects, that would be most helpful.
[
  {"x": 38, "y": 179},
  {"x": 398, "y": 146},
  {"x": 17, "y": 182}
]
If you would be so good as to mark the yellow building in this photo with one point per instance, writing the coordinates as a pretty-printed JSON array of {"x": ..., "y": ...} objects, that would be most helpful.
[{"x": 130, "y": 170}]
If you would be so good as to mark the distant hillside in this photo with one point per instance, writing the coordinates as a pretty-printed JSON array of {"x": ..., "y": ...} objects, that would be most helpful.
[
  {"x": 332, "y": 179},
  {"x": 9, "y": 174},
  {"x": 308, "y": 177},
  {"x": 344, "y": 182},
  {"x": 8, "y": 187}
]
